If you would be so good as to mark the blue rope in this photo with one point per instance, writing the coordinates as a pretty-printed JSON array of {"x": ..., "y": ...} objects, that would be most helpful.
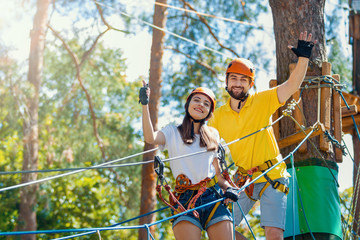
[
  {"x": 148, "y": 232},
  {"x": 352, "y": 116},
  {"x": 293, "y": 192},
  {"x": 160, "y": 221},
  {"x": 233, "y": 219},
  {"x": 242, "y": 212},
  {"x": 69, "y": 230}
]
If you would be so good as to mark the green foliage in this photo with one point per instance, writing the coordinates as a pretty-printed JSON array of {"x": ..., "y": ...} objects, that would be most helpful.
[
  {"x": 347, "y": 215},
  {"x": 253, "y": 218},
  {"x": 99, "y": 198},
  {"x": 187, "y": 71},
  {"x": 95, "y": 198}
]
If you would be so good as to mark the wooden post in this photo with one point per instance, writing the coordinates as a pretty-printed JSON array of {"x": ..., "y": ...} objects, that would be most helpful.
[
  {"x": 273, "y": 83},
  {"x": 325, "y": 107},
  {"x": 337, "y": 120},
  {"x": 345, "y": 112},
  {"x": 299, "y": 136}
]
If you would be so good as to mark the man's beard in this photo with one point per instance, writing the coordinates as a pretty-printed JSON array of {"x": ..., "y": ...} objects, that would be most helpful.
[{"x": 238, "y": 96}]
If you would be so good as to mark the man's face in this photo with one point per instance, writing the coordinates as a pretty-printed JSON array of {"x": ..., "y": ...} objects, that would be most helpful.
[{"x": 238, "y": 85}]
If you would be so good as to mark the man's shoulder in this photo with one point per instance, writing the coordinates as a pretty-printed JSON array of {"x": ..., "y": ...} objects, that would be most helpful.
[{"x": 264, "y": 94}]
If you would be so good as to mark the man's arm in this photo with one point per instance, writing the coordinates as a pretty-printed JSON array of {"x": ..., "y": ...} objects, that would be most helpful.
[
  {"x": 303, "y": 51},
  {"x": 289, "y": 87}
]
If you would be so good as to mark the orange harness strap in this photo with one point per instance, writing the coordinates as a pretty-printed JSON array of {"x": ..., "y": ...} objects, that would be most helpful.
[
  {"x": 242, "y": 179},
  {"x": 171, "y": 197}
]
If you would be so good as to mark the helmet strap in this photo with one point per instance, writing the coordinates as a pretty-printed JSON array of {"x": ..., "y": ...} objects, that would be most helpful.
[{"x": 243, "y": 99}]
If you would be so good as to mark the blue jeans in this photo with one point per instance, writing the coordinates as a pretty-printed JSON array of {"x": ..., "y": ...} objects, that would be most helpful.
[{"x": 206, "y": 219}]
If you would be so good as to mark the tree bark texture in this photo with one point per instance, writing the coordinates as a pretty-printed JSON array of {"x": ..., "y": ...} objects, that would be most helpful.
[
  {"x": 148, "y": 184},
  {"x": 354, "y": 33},
  {"x": 28, "y": 200},
  {"x": 356, "y": 179},
  {"x": 290, "y": 19}
]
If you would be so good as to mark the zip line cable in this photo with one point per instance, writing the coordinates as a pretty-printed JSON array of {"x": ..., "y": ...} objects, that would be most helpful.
[
  {"x": 73, "y": 172},
  {"x": 166, "y": 31},
  {"x": 162, "y": 220},
  {"x": 129, "y": 164},
  {"x": 139, "y": 163},
  {"x": 114, "y": 225},
  {"x": 171, "y": 33},
  {"x": 209, "y": 15}
]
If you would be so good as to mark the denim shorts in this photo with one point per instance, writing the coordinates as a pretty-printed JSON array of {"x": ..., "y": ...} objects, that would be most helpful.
[
  {"x": 272, "y": 205},
  {"x": 205, "y": 220}
]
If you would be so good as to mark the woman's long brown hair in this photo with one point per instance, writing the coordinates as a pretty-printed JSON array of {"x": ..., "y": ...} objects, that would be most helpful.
[{"x": 208, "y": 137}]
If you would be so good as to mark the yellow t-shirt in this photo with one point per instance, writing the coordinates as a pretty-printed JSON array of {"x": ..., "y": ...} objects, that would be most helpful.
[{"x": 254, "y": 150}]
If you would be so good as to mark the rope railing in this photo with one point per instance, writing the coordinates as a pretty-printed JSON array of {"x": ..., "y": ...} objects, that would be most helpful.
[
  {"x": 157, "y": 222},
  {"x": 104, "y": 165}
]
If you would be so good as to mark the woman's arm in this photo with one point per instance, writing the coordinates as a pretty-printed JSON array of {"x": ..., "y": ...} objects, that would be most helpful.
[
  {"x": 150, "y": 136},
  {"x": 231, "y": 194}
]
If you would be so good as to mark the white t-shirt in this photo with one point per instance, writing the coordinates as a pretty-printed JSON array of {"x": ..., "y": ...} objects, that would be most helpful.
[{"x": 195, "y": 167}]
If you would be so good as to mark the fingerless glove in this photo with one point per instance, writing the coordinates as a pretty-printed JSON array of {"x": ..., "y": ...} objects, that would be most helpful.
[
  {"x": 143, "y": 97},
  {"x": 303, "y": 49},
  {"x": 232, "y": 194}
]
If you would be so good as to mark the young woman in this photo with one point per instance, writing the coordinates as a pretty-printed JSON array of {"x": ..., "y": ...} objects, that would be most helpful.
[{"x": 192, "y": 171}]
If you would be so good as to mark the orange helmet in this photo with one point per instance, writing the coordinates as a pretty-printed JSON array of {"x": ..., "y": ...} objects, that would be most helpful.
[
  {"x": 207, "y": 92},
  {"x": 241, "y": 66}
]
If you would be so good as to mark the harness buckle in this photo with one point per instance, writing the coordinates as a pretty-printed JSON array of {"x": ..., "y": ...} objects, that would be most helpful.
[
  {"x": 269, "y": 164},
  {"x": 276, "y": 184}
]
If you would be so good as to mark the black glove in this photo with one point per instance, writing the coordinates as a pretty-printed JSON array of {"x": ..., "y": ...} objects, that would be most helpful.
[
  {"x": 303, "y": 49},
  {"x": 232, "y": 194},
  {"x": 143, "y": 97}
]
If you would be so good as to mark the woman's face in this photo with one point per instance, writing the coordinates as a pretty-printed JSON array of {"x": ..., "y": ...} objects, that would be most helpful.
[{"x": 199, "y": 106}]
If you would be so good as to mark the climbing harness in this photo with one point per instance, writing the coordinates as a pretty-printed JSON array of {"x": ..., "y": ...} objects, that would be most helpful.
[
  {"x": 159, "y": 170},
  {"x": 242, "y": 177},
  {"x": 183, "y": 183}
]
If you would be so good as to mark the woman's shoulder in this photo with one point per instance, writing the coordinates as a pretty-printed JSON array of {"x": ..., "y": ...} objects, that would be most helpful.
[{"x": 170, "y": 129}]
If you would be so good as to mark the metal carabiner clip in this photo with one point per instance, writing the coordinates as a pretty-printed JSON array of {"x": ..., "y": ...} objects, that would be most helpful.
[
  {"x": 221, "y": 157},
  {"x": 159, "y": 169}
]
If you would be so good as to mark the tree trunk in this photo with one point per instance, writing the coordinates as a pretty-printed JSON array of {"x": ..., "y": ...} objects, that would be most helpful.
[
  {"x": 356, "y": 199},
  {"x": 290, "y": 18},
  {"x": 354, "y": 33},
  {"x": 148, "y": 193},
  {"x": 27, "y": 215}
]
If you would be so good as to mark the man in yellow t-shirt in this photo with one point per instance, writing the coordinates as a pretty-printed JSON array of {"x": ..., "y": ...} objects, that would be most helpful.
[{"x": 246, "y": 113}]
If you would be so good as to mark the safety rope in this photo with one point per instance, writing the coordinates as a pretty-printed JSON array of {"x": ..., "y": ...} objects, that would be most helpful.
[
  {"x": 73, "y": 172},
  {"x": 306, "y": 138},
  {"x": 335, "y": 142},
  {"x": 170, "y": 33},
  {"x": 114, "y": 225},
  {"x": 159, "y": 221},
  {"x": 130, "y": 164},
  {"x": 208, "y": 15},
  {"x": 165, "y": 31}
]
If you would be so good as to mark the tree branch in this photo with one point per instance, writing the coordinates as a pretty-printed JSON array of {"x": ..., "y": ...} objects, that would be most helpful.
[
  {"x": 205, "y": 22},
  {"x": 88, "y": 97},
  {"x": 204, "y": 64}
]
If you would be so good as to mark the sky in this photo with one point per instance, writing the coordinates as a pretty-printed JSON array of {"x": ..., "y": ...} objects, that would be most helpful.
[{"x": 15, "y": 28}]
